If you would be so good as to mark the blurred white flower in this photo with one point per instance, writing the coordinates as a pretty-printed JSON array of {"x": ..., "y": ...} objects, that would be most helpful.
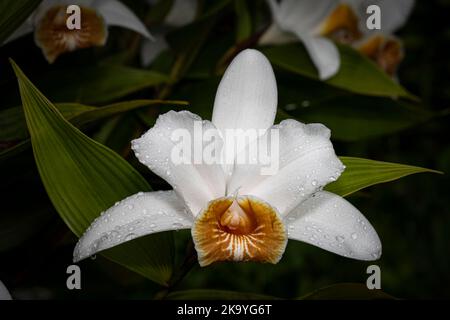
[
  {"x": 240, "y": 215},
  {"x": 319, "y": 22},
  {"x": 4, "y": 293},
  {"x": 181, "y": 13},
  {"x": 381, "y": 45},
  {"x": 310, "y": 22},
  {"x": 48, "y": 22}
]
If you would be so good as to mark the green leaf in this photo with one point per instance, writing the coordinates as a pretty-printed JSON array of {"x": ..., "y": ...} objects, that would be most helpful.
[
  {"x": 358, "y": 118},
  {"x": 83, "y": 178},
  {"x": 362, "y": 173},
  {"x": 97, "y": 84},
  {"x": 14, "y": 128},
  {"x": 209, "y": 294},
  {"x": 347, "y": 291},
  {"x": 13, "y": 14},
  {"x": 13, "y": 125},
  {"x": 357, "y": 73},
  {"x": 244, "y": 23}
]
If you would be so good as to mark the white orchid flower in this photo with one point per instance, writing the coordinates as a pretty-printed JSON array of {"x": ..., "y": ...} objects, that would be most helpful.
[
  {"x": 181, "y": 13},
  {"x": 381, "y": 45},
  {"x": 48, "y": 22},
  {"x": 4, "y": 293},
  {"x": 243, "y": 215},
  {"x": 315, "y": 23}
]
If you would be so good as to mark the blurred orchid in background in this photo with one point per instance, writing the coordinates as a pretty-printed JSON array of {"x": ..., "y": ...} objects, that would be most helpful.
[
  {"x": 240, "y": 215},
  {"x": 181, "y": 13},
  {"x": 4, "y": 293},
  {"x": 309, "y": 22},
  {"x": 48, "y": 22},
  {"x": 381, "y": 45},
  {"x": 318, "y": 23}
]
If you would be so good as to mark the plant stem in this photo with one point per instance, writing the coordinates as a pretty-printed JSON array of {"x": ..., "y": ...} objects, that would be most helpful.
[{"x": 189, "y": 262}]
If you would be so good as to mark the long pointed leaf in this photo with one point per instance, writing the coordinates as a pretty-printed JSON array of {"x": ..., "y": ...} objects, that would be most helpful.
[
  {"x": 83, "y": 178},
  {"x": 362, "y": 173}
]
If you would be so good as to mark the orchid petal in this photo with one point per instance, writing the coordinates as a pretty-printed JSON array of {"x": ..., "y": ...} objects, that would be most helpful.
[
  {"x": 197, "y": 182},
  {"x": 4, "y": 293},
  {"x": 303, "y": 16},
  {"x": 306, "y": 163},
  {"x": 394, "y": 14},
  {"x": 152, "y": 49},
  {"x": 330, "y": 222},
  {"x": 45, "y": 5},
  {"x": 274, "y": 35},
  {"x": 182, "y": 13},
  {"x": 246, "y": 98},
  {"x": 117, "y": 14},
  {"x": 324, "y": 54},
  {"x": 133, "y": 217}
]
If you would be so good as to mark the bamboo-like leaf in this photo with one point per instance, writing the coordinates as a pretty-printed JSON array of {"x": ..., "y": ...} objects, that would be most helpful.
[
  {"x": 13, "y": 14},
  {"x": 356, "y": 74},
  {"x": 97, "y": 84},
  {"x": 13, "y": 126},
  {"x": 362, "y": 173},
  {"x": 347, "y": 291},
  {"x": 83, "y": 178}
]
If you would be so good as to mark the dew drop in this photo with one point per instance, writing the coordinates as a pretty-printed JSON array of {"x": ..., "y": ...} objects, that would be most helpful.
[
  {"x": 130, "y": 236},
  {"x": 340, "y": 239},
  {"x": 177, "y": 225},
  {"x": 314, "y": 182},
  {"x": 354, "y": 236}
]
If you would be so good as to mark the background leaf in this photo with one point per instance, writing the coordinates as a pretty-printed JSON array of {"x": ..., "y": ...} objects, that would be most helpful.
[
  {"x": 244, "y": 22},
  {"x": 13, "y": 14},
  {"x": 13, "y": 125},
  {"x": 356, "y": 74},
  {"x": 362, "y": 173},
  {"x": 83, "y": 178},
  {"x": 97, "y": 84}
]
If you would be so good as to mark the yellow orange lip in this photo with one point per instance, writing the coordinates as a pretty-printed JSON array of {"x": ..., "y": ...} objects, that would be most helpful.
[
  {"x": 342, "y": 25},
  {"x": 386, "y": 52},
  {"x": 54, "y": 38},
  {"x": 239, "y": 229}
]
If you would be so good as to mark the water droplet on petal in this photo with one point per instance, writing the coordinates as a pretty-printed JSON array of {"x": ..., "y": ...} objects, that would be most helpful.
[{"x": 130, "y": 236}]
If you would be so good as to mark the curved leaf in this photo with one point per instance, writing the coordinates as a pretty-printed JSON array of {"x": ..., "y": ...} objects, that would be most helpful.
[
  {"x": 83, "y": 178},
  {"x": 13, "y": 125},
  {"x": 97, "y": 84},
  {"x": 357, "y": 73},
  {"x": 14, "y": 128},
  {"x": 362, "y": 173}
]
